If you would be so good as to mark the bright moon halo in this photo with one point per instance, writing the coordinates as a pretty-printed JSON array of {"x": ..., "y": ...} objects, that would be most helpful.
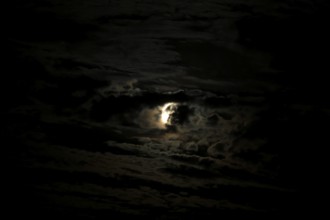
[{"x": 166, "y": 111}]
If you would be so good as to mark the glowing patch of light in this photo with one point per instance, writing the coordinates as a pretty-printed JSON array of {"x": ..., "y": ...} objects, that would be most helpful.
[{"x": 166, "y": 111}]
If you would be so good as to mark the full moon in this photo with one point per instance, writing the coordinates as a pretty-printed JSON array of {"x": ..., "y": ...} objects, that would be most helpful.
[{"x": 166, "y": 112}]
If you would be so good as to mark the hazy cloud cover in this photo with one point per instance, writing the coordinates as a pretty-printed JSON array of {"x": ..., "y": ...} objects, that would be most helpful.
[{"x": 85, "y": 90}]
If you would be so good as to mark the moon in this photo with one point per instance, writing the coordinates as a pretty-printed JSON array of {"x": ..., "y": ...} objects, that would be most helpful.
[{"x": 166, "y": 111}]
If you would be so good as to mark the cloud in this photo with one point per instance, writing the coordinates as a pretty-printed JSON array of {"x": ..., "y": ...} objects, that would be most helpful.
[
  {"x": 120, "y": 88},
  {"x": 198, "y": 129},
  {"x": 150, "y": 118},
  {"x": 218, "y": 150},
  {"x": 85, "y": 120}
]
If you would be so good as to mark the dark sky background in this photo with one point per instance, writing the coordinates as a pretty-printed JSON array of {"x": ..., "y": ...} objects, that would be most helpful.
[{"x": 84, "y": 83}]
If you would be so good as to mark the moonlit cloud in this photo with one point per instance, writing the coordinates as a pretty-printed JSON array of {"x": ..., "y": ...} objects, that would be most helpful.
[
  {"x": 166, "y": 111},
  {"x": 120, "y": 88},
  {"x": 150, "y": 118}
]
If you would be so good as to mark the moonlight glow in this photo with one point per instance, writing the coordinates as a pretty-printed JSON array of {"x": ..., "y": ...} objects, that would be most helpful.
[{"x": 166, "y": 111}]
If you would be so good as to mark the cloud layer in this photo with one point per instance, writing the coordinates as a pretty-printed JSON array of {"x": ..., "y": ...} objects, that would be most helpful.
[{"x": 87, "y": 83}]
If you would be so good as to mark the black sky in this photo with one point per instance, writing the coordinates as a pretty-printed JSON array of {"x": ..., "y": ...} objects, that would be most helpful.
[{"x": 84, "y": 83}]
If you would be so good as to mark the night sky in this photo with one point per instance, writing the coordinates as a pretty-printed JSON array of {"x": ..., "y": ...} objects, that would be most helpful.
[{"x": 204, "y": 109}]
